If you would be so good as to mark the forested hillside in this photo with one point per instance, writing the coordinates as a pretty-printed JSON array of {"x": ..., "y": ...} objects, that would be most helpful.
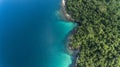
[{"x": 98, "y": 34}]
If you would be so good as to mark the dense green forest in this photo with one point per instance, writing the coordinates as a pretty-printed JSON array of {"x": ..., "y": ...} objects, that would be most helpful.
[{"x": 98, "y": 33}]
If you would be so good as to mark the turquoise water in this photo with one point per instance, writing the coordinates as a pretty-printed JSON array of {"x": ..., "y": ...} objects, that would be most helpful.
[{"x": 32, "y": 35}]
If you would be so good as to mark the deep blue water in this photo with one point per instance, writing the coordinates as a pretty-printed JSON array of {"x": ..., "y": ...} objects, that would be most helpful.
[{"x": 32, "y": 35}]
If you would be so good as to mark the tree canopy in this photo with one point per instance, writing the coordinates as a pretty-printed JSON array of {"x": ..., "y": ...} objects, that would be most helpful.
[{"x": 98, "y": 34}]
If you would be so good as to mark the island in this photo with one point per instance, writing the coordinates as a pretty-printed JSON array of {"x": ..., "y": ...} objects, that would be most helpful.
[{"x": 97, "y": 35}]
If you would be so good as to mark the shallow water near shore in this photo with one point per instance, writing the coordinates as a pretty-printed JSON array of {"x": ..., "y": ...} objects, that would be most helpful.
[{"x": 32, "y": 35}]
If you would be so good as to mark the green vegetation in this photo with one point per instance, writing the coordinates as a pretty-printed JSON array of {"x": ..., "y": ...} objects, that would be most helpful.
[{"x": 98, "y": 34}]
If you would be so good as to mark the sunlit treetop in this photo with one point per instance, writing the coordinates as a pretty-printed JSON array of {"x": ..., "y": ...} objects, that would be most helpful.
[{"x": 98, "y": 34}]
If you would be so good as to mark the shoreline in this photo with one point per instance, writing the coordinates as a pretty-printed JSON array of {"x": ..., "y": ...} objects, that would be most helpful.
[
  {"x": 64, "y": 12},
  {"x": 66, "y": 15},
  {"x": 72, "y": 52}
]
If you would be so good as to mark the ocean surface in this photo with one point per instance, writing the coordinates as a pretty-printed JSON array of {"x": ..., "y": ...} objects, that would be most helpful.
[{"x": 32, "y": 34}]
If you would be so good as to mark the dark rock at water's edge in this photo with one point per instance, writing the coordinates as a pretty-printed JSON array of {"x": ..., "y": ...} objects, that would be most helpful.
[{"x": 73, "y": 52}]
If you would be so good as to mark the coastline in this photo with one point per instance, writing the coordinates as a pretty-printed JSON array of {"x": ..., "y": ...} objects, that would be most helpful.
[
  {"x": 66, "y": 16},
  {"x": 71, "y": 51},
  {"x": 64, "y": 12}
]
